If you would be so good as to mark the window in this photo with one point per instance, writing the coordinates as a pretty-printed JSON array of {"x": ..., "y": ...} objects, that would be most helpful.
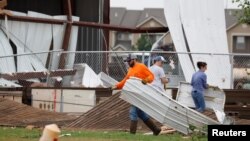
[
  {"x": 240, "y": 43},
  {"x": 123, "y": 36},
  {"x": 152, "y": 37}
]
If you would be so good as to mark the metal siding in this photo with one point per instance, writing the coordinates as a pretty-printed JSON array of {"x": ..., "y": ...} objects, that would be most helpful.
[
  {"x": 7, "y": 63},
  {"x": 214, "y": 99},
  {"x": 58, "y": 34}
]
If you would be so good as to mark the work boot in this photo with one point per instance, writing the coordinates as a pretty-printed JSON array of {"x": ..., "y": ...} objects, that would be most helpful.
[
  {"x": 153, "y": 127},
  {"x": 133, "y": 126}
]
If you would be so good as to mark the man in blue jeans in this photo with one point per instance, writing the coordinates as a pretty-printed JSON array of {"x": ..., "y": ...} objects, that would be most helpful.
[
  {"x": 199, "y": 83},
  {"x": 138, "y": 70}
]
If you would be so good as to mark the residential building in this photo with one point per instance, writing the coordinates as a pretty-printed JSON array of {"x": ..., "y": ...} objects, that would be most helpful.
[
  {"x": 238, "y": 35},
  {"x": 149, "y": 17}
]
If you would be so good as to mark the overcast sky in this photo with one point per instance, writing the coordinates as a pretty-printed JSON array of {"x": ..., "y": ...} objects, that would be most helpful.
[{"x": 140, "y": 4}]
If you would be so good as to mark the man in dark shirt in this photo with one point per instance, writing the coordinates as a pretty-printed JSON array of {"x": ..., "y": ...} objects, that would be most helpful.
[{"x": 199, "y": 83}]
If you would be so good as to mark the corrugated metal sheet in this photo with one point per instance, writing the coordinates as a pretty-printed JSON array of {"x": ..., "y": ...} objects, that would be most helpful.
[
  {"x": 7, "y": 63},
  {"x": 70, "y": 60},
  {"x": 58, "y": 34},
  {"x": 215, "y": 99},
  {"x": 18, "y": 33},
  {"x": 16, "y": 114},
  {"x": 162, "y": 108},
  {"x": 113, "y": 114},
  {"x": 107, "y": 80},
  {"x": 72, "y": 45},
  {"x": 39, "y": 36}
]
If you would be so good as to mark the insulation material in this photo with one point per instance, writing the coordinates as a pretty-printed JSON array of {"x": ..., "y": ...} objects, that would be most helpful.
[
  {"x": 164, "y": 109},
  {"x": 39, "y": 37},
  {"x": 107, "y": 80},
  {"x": 6, "y": 83},
  {"x": 7, "y": 63},
  {"x": 204, "y": 25},
  {"x": 85, "y": 77},
  {"x": 214, "y": 98},
  {"x": 172, "y": 14}
]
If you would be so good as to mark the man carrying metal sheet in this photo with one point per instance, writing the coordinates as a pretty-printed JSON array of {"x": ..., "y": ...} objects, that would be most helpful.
[{"x": 138, "y": 70}]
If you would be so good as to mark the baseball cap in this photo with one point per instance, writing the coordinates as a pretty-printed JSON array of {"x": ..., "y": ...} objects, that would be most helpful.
[
  {"x": 130, "y": 57},
  {"x": 159, "y": 58}
]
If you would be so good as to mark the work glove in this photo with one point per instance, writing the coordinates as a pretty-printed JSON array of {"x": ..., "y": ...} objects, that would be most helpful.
[{"x": 144, "y": 81}]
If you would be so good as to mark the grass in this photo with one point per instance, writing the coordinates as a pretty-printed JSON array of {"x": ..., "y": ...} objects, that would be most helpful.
[{"x": 22, "y": 134}]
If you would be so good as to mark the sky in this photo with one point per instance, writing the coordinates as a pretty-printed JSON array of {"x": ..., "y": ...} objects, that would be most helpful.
[{"x": 140, "y": 4}]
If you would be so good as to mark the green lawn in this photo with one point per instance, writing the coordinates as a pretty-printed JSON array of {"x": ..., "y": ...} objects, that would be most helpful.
[{"x": 21, "y": 134}]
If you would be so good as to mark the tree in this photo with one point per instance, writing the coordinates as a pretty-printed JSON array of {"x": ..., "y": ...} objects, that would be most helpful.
[
  {"x": 244, "y": 15},
  {"x": 144, "y": 44}
]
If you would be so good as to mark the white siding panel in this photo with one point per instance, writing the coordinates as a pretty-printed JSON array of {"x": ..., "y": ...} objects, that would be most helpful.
[
  {"x": 204, "y": 25},
  {"x": 6, "y": 83},
  {"x": 214, "y": 98},
  {"x": 39, "y": 36},
  {"x": 107, "y": 80},
  {"x": 18, "y": 34},
  {"x": 172, "y": 14},
  {"x": 18, "y": 29},
  {"x": 58, "y": 35},
  {"x": 7, "y": 63},
  {"x": 72, "y": 45}
]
